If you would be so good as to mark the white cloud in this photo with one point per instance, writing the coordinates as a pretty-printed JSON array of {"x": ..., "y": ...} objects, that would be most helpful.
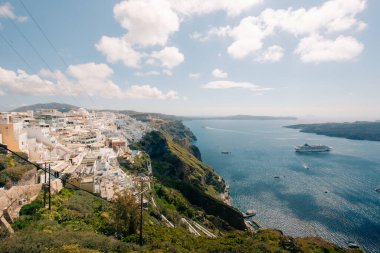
[
  {"x": 219, "y": 73},
  {"x": 234, "y": 85},
  {"x": 194, "y": 76},
  {"x": 88, "y": 79},
  {"x": 148, "y": 73},
  {"x": 148, "y": 22},
  {"x": 169, "y": 57},
  {"x": 333, "y": 16},
  {"x": 151, "y": 61},
  {"x": 20, "y": 82},
  {"x": 90, "y": 71},
  {"x": 195, "y": 35},
  {"x": 167, "y": 72},
  {"x": 200, "y": 7},
  {"x": 248, "y": 35},
  {"x": 152, "y": 22},
  {"x": 6, "y": 11},
  {"x": 149, "y": 92},
  {"x": 222, "y": 31},
  {"x": 361, "y": 26},
  {"x": 317, "y": 49},
  {"x": 118, "y": 49},
  {"x": 271, "y": 54}
]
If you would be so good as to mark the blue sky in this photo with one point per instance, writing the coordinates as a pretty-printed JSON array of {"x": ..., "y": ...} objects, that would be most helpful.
[{"x": 194, "y": 57}]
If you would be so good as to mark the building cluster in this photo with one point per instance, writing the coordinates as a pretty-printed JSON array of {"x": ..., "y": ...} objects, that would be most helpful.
[{"x": 80, "y": 146}]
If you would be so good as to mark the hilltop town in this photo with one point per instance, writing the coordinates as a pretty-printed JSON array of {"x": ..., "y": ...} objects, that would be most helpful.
[{"x": 78, "y": 146}]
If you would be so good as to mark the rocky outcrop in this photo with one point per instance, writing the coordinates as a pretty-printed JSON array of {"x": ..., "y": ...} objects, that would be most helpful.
[{"x": 176, "y": 167}]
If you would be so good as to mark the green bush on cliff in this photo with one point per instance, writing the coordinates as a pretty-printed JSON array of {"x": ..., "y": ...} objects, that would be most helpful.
[{"x": 12, "y": 169}]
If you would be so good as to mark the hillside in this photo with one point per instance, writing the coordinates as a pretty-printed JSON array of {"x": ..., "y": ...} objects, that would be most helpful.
[
  {"x": 359, "y": 130},
  {"x": 57, "y": 106},
  {"x": 178, "y": 169},
  {"x": 79, "y": 222}
]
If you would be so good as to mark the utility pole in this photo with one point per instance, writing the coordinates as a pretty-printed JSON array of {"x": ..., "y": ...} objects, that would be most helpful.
[
  {"x": 49, "y": 188},
  {"x": 45, "y": 186},
  {"x": 141, "y": 211},
  {"x": 142, "y": 181}
]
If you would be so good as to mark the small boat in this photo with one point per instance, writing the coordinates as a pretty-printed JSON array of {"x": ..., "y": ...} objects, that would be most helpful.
[
  {"x": 276, "y": 177},
  {"x": 249, "y": 213},
  {"x": 226, "y": 152},
  {"x": 305, "y": 166},
  {"x": 352, "y": 245},
  {"x": 377, "y": 189}
]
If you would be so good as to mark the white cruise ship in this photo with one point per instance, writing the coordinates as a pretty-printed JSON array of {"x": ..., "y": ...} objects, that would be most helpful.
[{"x": 312, "y": 148}]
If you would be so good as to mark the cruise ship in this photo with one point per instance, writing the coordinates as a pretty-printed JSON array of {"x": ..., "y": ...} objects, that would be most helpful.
[{"x": 312, "y": 148}]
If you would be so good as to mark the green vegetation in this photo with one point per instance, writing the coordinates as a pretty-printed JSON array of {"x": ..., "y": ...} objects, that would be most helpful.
[
  {"x": 175, "y": 167},
  {"x": 179, "y": 133},
  {"x": 80, "y": 222},
  {"x": 355, "y": 131},
  {"x": 126, "y": 213},
  {"x": 12, "y": 169},
  {"x": 77, "y": 220},
  {"x": 138, "y": 165},
  {"x": 269, "y": 240},
  {"x": 176, "y": 129}
]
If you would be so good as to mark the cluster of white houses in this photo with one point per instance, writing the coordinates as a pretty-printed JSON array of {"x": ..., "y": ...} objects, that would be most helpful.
[{"x": 79, "y": 145}]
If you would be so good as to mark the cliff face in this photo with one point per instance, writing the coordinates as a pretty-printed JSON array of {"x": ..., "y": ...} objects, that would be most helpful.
[{"x": 175, "y": 166}]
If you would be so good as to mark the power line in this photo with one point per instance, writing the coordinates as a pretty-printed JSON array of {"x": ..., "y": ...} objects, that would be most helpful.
[
  {"x": 22, "y": 58},
  {"x": 51, "y": 44},
  {"x": 44, "y": 34},
  {"x": 17, "y": 53},
  {"x": 31, "y": 45},
  {"x": 48, "y": 40},
  {"x": 2, "y": 146}
]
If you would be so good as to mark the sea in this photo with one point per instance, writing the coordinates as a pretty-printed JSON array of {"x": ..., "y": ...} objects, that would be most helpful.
[{"x": 330, "y": 195}]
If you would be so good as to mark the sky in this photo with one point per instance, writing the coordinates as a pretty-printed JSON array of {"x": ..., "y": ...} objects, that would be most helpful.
[{"x": 304, "y": 58}]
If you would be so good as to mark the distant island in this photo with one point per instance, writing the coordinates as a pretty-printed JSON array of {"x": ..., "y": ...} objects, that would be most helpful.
[
  {"x": 242, "y": 117},
  {"x": 360, "y": 130},
  {"x": 147, "y": 116}
]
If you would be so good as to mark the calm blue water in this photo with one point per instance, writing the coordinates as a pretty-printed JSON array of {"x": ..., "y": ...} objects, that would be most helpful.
[{"x": 297, "y": 203}]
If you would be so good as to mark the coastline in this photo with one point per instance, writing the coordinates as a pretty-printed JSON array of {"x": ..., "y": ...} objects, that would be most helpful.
[
  {"x": 226, "y": 196},
  {"x": 211, "y": 153},
  {"x": 360, "y": 130}
]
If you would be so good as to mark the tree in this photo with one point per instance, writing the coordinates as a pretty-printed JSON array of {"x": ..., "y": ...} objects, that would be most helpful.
[{"x": 125, "y": 214}]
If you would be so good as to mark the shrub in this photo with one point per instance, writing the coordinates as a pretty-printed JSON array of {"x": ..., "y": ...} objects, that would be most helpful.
[
  {"x": 31, "y": 208},
  {"x": 125, "y": 214}
]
